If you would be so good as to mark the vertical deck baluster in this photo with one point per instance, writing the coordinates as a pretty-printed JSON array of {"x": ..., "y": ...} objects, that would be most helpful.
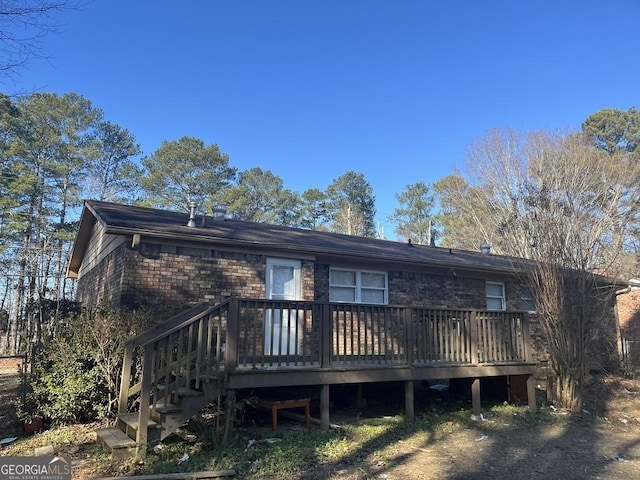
[
  {"x": 490, "y": 323},
  {"x": 125, "y": 378},
  {"x": 516, "y": 355},
  {"x": 440, "y": 334},
  {"x": 388, "y": 348},
  {"x": 448, "y": 327},
  {"x": 256, "y": 332},
  {"x": 348, "y": 335},
  {"x": 244, "y": 329},
  {"x": 190, "y": 346},
  {"x": 278, "y": 307},
  {"x": 433, "y": 342},
  {"x": 481, "y": 336},
  {"x": 327, "y": 331},
  {"x": 455, "y": 337},
  {"x": 208, "y": 360},
  {"x": 494, "y": 321},
  {"x": 497, "y": 333},
  {"x": 355, "y": 319},
  {"x": 370, "y": 335},
  {"x": 418, "y": 334},
  {"x": 301, "y": 328},
  {"x": 433, "y": 347},
  {"x": 352, "y": 335},
  {"x": 179, "y": 360},
  {"x": 473, "y": 337},
  {"x": 425, "y": 323},
  {"x": 504, "y": 332},
  {"x": 462, "y": 358},
  {"x": 506, "y": 337},
  {"x": 163, "y": 363}
]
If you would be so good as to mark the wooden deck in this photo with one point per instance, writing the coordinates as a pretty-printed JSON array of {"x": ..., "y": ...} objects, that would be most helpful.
[{"x": 248, "y": 343}]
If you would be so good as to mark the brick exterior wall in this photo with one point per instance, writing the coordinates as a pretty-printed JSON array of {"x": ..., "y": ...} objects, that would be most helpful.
[
  {"x": 429, "y": 290},
  {"x": 166, "y": 279},
  {"x": 628, "y": 305},
  {"x": 104, "y": 282}
]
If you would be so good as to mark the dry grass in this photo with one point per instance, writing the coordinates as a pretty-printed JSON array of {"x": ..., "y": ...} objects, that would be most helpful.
[{"x": 444, "y": 443}]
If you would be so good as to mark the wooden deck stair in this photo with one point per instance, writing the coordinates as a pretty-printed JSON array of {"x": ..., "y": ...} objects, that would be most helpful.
[{"x": 170, "y": 390}]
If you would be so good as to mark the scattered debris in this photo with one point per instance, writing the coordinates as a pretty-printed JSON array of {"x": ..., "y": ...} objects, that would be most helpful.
[
  {"x": 8, "y": 440},
  {"x": 269, "y": 440},
  {"x": 421, "y": 449},
  {"x": 475, "y": 418},
  {"x": 439, "y": 387},
  {"x": 483, "y": 437},
  {"x": 46, "y": 451},
  {"x": 184, "y": 458}
]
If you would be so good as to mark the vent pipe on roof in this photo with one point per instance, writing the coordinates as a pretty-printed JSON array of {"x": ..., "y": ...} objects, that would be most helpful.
[
  {"x": 219, "y": 212},
  {"x": 192, "y": 214},
  {"x": 485, "y": 248}
]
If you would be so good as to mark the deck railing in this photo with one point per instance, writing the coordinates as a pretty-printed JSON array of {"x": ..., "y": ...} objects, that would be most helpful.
[
  {"x": 247, "y": 335},
  {"x": 272, "y": 334}
]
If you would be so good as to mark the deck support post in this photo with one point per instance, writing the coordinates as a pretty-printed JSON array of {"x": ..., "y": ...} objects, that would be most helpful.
[
  {"x": 409, "y": 407},
  {"x": 324, "y": 408},
  {"x": 475, "y": 396},
  {"x": 229, "y": 415},
  {"x": 531, "y": 394}
]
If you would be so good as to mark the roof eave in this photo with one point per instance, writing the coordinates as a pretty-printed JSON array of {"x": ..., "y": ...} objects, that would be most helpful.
[
  {"x": 208, "y": 239},
  {"x": 81, "y": 241}
]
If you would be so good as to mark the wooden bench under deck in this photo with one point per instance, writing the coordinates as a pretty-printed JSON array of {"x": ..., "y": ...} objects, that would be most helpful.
[{"x": 275, "y": 405}]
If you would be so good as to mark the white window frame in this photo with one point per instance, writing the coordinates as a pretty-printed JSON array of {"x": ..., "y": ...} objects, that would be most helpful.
[
  {"x": 358, "y": 285},
  {"x": 502, "y": 298}
]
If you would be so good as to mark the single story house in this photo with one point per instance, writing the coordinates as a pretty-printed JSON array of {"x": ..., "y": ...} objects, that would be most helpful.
[{"x": 251, "y": 305}]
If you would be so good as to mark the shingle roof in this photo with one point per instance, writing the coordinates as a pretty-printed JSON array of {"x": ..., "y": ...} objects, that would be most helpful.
[{"x": 148, "y": 222}]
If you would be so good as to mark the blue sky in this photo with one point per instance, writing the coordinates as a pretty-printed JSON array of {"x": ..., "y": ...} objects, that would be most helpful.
[{"x": 309, "y": 89}]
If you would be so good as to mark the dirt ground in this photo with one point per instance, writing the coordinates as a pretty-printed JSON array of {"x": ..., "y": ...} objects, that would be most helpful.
[
  {"x": 608, "y": 448},
  {"x": 545, "y": 452}
]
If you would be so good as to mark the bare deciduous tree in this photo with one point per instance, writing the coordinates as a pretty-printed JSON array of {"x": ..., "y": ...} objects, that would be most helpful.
[
  {"x": 23, "y": 26},
  {"x": 556, "y": 201}
]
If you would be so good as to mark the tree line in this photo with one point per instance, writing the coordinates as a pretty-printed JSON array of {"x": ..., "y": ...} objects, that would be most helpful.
[
  {"x": 59, "y": 149},
  {"x": 568, "y": 197}
]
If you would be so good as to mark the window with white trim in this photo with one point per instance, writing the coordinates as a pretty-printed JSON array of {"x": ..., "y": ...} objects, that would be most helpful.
[
  {"x": 358, "y": 286},
  {"x": 495, "y": 296}
]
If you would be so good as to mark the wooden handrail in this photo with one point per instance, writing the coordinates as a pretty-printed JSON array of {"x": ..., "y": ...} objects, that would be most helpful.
[
  {"x": 185, "y": 323},
  {"x": 162, "y": 327}
]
